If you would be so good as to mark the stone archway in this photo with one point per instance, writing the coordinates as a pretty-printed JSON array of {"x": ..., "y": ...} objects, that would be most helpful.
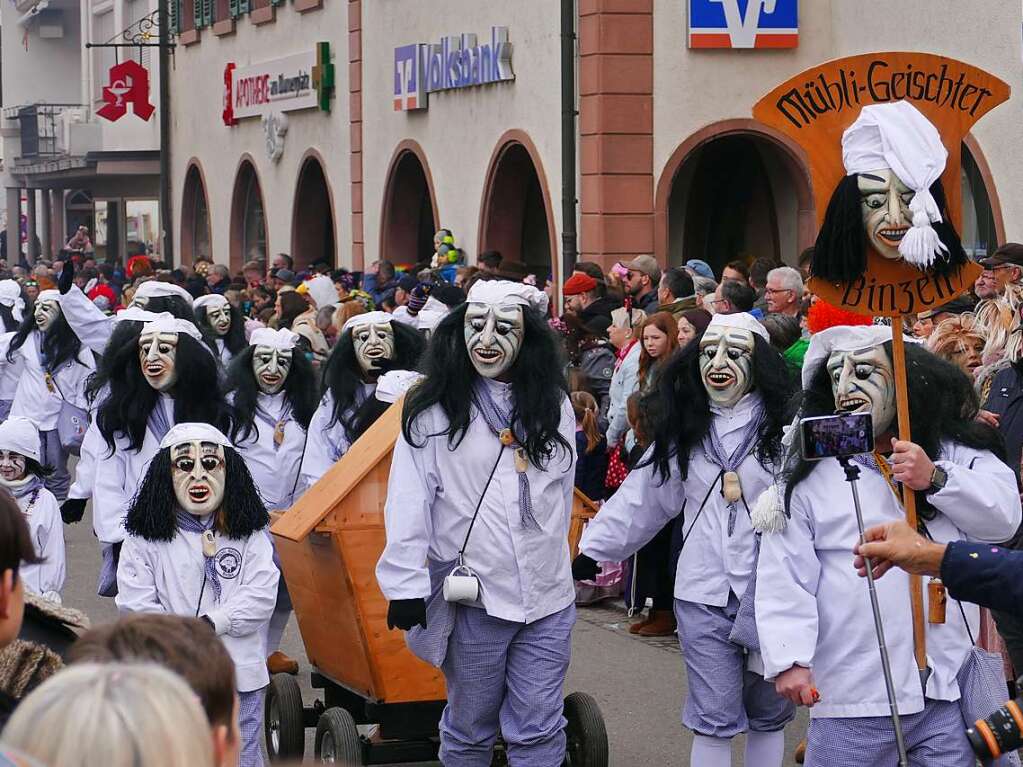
[
  {"x": 312, "y": 222},
  {"x": 409, "y": 218}
]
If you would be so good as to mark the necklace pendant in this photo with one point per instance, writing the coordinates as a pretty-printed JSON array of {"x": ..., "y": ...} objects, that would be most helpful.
[
  {"x": 279, "y": 434},
  {"x": 521, "y": 461},
  {"x": 731, "y": 489},
  {"x": 49, "y": 382},
  {"x": 209, "y": 544},
  {"x": 506, "y": 437}
]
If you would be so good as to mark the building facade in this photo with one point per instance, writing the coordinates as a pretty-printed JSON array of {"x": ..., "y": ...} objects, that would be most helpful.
[{"x": 359, "y": 128}]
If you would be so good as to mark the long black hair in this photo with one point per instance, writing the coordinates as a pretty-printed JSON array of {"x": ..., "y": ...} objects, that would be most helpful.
[
  {"x": 234, "y": 339},
  {"x": 197, "y": 393},
  {"x": 678, "y": 407},
  {"x": 175, "y": 305},
  {"x": 840, "y": 254},
  {"x": 7, "y": 316},
  {"x": 943, "y": 405},
  {"x": 152, "y": 516},
  {"x": 537, "y": 383},
  {"x": 59, "y": 343},
  {"x": 342, "y": 375},
  {"x": 299, "y": 390},
  {"x": 125, "y": 334}
]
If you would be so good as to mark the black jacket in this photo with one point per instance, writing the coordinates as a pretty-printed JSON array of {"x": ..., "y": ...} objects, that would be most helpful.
[
  {"x": 1006, "y": 400},
  {"x": 986, "y": 575}
]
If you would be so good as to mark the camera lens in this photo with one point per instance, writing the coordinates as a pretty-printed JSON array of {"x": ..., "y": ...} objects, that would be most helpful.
[{"x": 1000, "y": 733}]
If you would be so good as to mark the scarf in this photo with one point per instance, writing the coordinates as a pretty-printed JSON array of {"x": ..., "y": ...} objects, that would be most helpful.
[
  {"x": 27, "y": 485},
  {"x": 277, "y": 425},
  {"x": 190, "y": 523},
  {"x": 730, "y": 463},
  {"x": 157, "y": 422},
  {"x": 499, "y": 420}
]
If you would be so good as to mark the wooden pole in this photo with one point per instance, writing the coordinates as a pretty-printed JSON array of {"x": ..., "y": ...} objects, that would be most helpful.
[{"x": 916, "y": 594}]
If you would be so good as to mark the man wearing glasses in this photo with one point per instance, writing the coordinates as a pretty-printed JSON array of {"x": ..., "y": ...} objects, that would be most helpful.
[
  {"x": 1006, "y": 264},
  {"x": 784, "y": 291},
  {"x": 644, "y": 277}
]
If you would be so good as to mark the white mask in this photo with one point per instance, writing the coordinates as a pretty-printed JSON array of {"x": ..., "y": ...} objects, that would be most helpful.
[
  {"x": 139, "y": 302},
  {"x": 46, "y": 313},
  {"x": 219, "y": 319},
  {"x": 863, "y": 381},
  {"x": 12, "y": 466},
  {"x": 157, "y": 356},
  {"x": 199, "y": 474},
  {"x": 271, "y": 366},
  {"x": 726, "y": 364},
  {"x": 373, "y": 343},
  {"x": 884, "y": 202},
  {"x": 493, "y": 337}
]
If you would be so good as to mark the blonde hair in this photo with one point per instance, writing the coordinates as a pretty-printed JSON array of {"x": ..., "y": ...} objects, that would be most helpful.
[
  {"x": 996, "y": 320},
  {"x": 585, "y": 407},
  {"x": 346, "y": 311},
  {"x": 116, "y": 715},
  {"x": 953, "y": 335}
]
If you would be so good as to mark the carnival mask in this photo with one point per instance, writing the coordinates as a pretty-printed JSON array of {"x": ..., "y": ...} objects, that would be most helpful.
[
  {"x": 219, "y": 318},
  {"x": 884, "y": 201},
  {"x": 863, "y": 381},
  {"x": 373, "y": 342},
  {"x": 46, "y": 313},
  {"x": 157, "y": 356},
  {"x": 139, "y": 302},
  {"x": 726, "y": 364},
  {"x": 271, "y": 367},
  {"x": 199, "y": 473},
  {"x": 493, "y": 337},
  {"x": 12, "y": 466}
]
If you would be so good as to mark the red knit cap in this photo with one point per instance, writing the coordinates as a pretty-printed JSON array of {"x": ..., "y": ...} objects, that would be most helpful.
[
  {"x": 823, "y": 315},
  {"x": 580, "y": 282}
]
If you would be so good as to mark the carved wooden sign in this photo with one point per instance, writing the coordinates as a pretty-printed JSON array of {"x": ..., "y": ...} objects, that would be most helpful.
[{"x": 816, "y": 106}]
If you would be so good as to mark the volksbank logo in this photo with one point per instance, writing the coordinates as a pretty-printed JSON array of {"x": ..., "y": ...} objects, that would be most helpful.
[
  {"x": 743, "y": 23},
  {"x": 456, "y": 62}
]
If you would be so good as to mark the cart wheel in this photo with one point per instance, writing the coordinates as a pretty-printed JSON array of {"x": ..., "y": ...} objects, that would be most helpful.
[
  {"x": 337, "y": 739},
  {"x": 585, "y": 732},
  {"x": 283, "y": 721}
]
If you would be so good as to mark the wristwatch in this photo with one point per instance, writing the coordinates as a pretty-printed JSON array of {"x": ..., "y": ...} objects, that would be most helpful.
[{"x": 939, "y": 477}]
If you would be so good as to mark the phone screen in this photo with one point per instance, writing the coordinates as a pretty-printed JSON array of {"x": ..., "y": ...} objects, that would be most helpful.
[{"x": 832, "y": 436}]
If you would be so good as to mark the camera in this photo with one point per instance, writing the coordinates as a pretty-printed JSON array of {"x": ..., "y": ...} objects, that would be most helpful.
[
  {"x": 836, "y": 436},
  {"x": 1000, "y": 733}
]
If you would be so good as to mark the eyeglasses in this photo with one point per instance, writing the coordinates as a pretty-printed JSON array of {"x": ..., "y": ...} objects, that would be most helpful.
[{"x": 773, "y": 291}]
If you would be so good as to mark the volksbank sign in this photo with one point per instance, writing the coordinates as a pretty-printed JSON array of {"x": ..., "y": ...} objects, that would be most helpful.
[{"x": 456, "y": 62}]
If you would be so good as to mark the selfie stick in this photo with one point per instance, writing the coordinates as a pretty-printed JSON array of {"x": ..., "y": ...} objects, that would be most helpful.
[{"x": 852, "y": 473}]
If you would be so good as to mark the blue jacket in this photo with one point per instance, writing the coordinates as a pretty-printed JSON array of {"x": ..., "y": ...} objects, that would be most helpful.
[{"x": 986, "y": 575}]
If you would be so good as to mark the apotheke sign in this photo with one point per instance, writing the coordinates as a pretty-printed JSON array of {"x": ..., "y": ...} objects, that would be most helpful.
[
  {"x": 456, "y": 62},
  {"x": 300, "y": 81}
]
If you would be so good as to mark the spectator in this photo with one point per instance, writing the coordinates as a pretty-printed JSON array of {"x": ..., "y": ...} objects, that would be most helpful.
[
  {"x": 591, "y": 447},
  {"x": 786, "y": 337},
  {"x": 758, "y": 272},
  {"x": 659, "y": 338},
  {"x": 591, "y": 352},
  {"x": 344, "y": 283},
  {"x": 283, "y": 278},
  {"x": 379, "y": 281},
  {"x": 582, "y": 298},
  {"x": 960, "y": 341},
  {"x": 593, "y": 270},
  {"x": 282, "y": 261},
  {"x": 254, "y": 273},
  {"x": 784, "y": 291},
  {"x": 490, "y": 261},
  {"x": 805, "y": 261},
  {"x": 736, "y": 270},
  {"x": 699, "y": 268},
  {"x": 986, "y": 286},
  {"x": 218, "y": 278},
  {"x": 1006, "y": 264},
  {"x": 406, "y": 284},
  {"x": 676, "y": 293},
  {"x": 704, "y": 287},
  {"x": 644, "y": 277},
  {"x": 624, "y": 336},
  {"x": 691, "y": 325},
  {"x": 79, "y": 241},
  {"x": 289, "y": 306},
  {"x": 732, "y": 297},
  {"x": 114, "y": 715}
]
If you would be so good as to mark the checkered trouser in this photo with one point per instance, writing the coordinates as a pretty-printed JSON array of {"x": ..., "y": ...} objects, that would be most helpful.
[
  {"x": 506, "y": 677},
  {"x": 250, "y": 722}
]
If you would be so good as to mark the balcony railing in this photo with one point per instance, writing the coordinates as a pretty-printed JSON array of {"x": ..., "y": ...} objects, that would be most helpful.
[{"x": 45, "y": 128}]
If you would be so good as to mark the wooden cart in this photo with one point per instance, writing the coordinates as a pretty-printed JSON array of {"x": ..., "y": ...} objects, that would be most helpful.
[{"x": 329, "y": 543}]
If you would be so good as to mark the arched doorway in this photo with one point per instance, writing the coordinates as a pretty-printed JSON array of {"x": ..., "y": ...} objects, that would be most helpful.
[
  {"x": 248, "y": 218},
  {"x": 732, "y": 192},
  {"x": 981, "y": 231},
  {"x": 516, "y": 215},
  {"x": 409, "y": 218},
  {"x": 312, "y": 221},
  {"x": 196, "y": 235}
]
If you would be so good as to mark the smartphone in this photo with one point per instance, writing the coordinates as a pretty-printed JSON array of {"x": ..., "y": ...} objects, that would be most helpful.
[{"x": 836, "y": 436}]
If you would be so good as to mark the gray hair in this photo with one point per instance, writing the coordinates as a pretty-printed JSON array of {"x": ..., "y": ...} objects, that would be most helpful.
[
  {"x": 117, "y": 715},
  {"x": 704, "y": 286},
  {"x": 790, "y": 279}
]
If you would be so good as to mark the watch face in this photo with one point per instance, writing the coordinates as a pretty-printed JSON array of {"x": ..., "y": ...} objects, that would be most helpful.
[{"x": 938, "y": 478}]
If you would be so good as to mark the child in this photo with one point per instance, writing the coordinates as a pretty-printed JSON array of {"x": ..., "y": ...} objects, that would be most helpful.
[
  {"x": 197, "y": 545},
  {"x": 590, "y": 445},
  {"x": 21, "y": 474}
]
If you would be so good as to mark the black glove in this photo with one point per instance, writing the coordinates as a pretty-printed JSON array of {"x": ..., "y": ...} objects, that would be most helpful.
[
  {"x": 405, "y": 613},
  {"x": 72, "y": 510},
  {"x": 584, "y": 568},
  {"x": 66, "y": 279}
]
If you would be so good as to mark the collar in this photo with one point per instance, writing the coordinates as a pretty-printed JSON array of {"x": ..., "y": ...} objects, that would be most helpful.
[{"x": 741, "y": 408}]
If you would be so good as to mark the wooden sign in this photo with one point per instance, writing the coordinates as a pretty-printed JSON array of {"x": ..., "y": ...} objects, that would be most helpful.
[{"x": 816, "y": 106}]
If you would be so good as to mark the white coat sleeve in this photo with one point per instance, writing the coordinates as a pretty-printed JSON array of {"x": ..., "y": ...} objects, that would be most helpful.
[
  {"x": 788, "y": 572},
  {"x": 634, "y": 515},
  {"x": 85, "y": 469},
  {"x": 252, "y": 602},
  {"x": 402, "y": 571},
  {"x": 980, "y": 497},
  {"x": 110, "y": 500},
  {"x": 136, "y": 579},
  {"x": 320, "y": 447},
  {"x": 50, "y": 545},
  {"x": 88, "y": 322}
]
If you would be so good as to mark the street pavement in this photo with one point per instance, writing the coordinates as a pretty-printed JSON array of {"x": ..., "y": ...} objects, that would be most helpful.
[{"x": 639, "y": 683}]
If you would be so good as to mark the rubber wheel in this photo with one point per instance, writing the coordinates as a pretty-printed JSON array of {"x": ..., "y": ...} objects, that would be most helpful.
[
  {"x": 283, "y": 719},
  {"x": 337, "y": 739},
  {"x": 585, "y": 732}
]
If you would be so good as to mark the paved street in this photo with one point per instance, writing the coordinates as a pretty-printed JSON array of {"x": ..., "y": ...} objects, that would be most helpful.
[{"x": 638, "y": 682}]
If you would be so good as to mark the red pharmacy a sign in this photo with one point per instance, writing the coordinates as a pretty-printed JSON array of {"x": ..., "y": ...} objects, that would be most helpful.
[{"x": 129, "y": 84}]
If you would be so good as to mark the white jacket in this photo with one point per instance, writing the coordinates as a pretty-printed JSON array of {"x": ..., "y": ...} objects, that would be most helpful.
[
  {"x": 47, "y": 530},
  {"x": 327, "y": 441},
  {"x": 87, "y": 320},
  {"x": 34, "y": 399},
  {"x": 10, "y": 372},
  {"x": 274, "y": 468}
]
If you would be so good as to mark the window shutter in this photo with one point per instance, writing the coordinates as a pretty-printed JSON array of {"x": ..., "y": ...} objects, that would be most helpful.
[
  {"x": 243, "y": 6},
  {"x": 197, "y": 13},
  {"x": 174, "y": 16},
  {"x": 207, "y": 12}
]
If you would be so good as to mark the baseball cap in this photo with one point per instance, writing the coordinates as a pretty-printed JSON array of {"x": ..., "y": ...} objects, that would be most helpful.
[
  {"x": 579, "y": 283},
  {"x": 1009, "y": 253},
  {"x": 285, "y": 275},
  {"x": 647, "y": 265},
  {"x": 702, "y": 268}
]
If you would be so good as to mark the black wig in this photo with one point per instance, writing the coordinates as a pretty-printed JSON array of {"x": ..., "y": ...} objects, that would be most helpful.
[
  {"x": 681, "y": 407},
  {"x": 342, "y": 375},
  {"x": 234, "y": 339},
  {"x": 943, "y": 405},
  {"x": 175, "y": 305},
  {"x": 299, "y": 390},
  {"x": 152, "y": 513},
  {"x": 537, "y": 383},
  {"x": 198, "y": 394},
  {"x": 7, "y": 316},
  {"x": 125, "y": 334},
  {"x": 840, "y": 254},
  {"x": 59, "y": 343}
]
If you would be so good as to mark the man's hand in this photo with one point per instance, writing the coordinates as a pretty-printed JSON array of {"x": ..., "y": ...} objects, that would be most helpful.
[
  {"x": 896, "y": 543},
  {"x": 910, "y": 465},
  {"x": 796, "y": 685},
  {"x": 405, "y": 613},
  {"x": 986, "y": 416}
]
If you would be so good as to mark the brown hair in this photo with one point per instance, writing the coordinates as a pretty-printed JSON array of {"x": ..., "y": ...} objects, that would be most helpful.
[
  {"x": 186, "y": 646},
  {"x": 637, "y": 418},
  {"x": 292, "y": 305},
  {"x": 15, "y": 539},
  {"x": 665, "y": 322},
  {"x": 585, "y": 407}
]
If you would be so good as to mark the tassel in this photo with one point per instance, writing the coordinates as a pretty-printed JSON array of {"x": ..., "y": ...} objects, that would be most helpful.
[
  {"x": 921, "y": 244},
  {"x": 768, "y": 513}
]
